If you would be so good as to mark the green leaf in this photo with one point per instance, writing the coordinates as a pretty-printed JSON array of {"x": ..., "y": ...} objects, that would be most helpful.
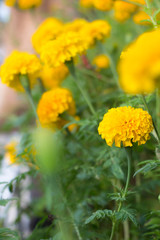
[
  {"x": 100, "y": 214},
  {"x": 8, "y": 234},
  {"x": 127, "y": 213},
  {"x": 147, "y": 168}
]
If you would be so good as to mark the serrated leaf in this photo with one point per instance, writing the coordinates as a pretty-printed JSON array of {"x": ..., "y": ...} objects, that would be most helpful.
[
  {"x": 148, "y": 167},
  {"x": 100, "y": 214},
  {"x": 127, "y": 213}
]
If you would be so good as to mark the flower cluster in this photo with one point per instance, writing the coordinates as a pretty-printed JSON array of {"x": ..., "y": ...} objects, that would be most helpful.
[
  {"x": 122, "y": 9},
  {"x": 23, "y": 4},
  {"x": 71, "y": 39},
  {"x": 54, "y": 103},
  {"x": 139, "y": 66},
  {"x": 125, "y": 125},
  {"x": 19, "y": 63}
]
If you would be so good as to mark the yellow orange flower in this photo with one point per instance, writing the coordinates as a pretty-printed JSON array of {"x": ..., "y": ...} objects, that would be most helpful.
[
  {"x": 140, "y": 16},
  {"x": 123, "y": 10},
  {"x": 75, "y": 25},
  {"x": 86, "y": 3},
  {"x": 96, "y": 30},
  {"x": 19, "y": 63},
  {"x": 103, "y": 5},
  {"x": 101, "y": 61},
  {"x": 64, "y": 48},
  {"x": 139, "y": 66},
  {"x": 52, "y": 77},
  {"x": 10, "y": 154},
  {"x": 52, "y": 104},
  {"x": 73, "y": 127},
  {"x": 48, "y": 30},
  {"x": 24, "y": 4},
  {"x": 126, "y": 125}
]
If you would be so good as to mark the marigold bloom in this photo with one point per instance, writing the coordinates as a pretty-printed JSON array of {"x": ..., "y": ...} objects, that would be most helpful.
[
  {"x": 103, "y": 5},
  {"x": 52, "y": 77},
  {"x": 24, "y": 4},
  {"x": 48, "y": 30},
  {"x": 139, "y": 66},
  {"x": 52, "y": 104},
  {"x": 126, "y": 125},
  {"x": 140, "y": 16},
  {"x": 10, "y": 154},
  {"x": 63, "y": 48},
  {"x": 16, "y": 64},
  {"x": 75, "y": 25},
  {"x": 101, "y": 61},
  {"x": 96, "y": 30},
  {"x": 123, "y": 10},
  {"x": 86, "y": 3}
]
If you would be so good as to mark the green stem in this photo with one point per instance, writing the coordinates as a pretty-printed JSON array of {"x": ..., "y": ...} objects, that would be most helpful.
[
  {"x": 154, "y": 125},
  {"x": 41, "y": 85},
  {"x": 113, "y": 230},
  {"x": 128, "y": 153},
  {"x": 71, "y": 68},
  {"x": 26, "y": 85}
]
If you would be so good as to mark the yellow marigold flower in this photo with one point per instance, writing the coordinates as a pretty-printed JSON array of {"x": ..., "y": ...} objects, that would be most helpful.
[
  {"x": 52, "y": 77},
  {"x": 139, "y": 1},
  {"x": 24, "y": 4},
  {"x": 101, "y": 61},
  {"x": 86, "y": 3},
  {"x": 140, "y": 16},
  {"x": 52, "y": 104},
  {"x": 10, "y": 154},
  {"x": 126, "y": 125},
  {"x": 96, "y": 30},
  {"x": 63, "y": 48},
  {"x": 19, "y": 63},
  {"x": 75, "y": 25},
  {"x": 139, "y": 66},
  {"x": 103, "y": 5},
  {"x": 10, "y": 3},
  {"x": 123, "y": 10},
  {"x": 48, "y": 30}
]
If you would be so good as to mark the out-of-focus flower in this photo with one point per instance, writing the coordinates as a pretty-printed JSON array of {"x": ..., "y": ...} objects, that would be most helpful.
[
  {"x": 54, "y": 103},
  {"x": 96, "y": 30},
  {"x": 48, "y": 30},
  {"x": 139, "y": 18},
  {"x": 10, "y": 154},
  {"x": 123, "y": 10},
  {"x": 86, "y": 3},
  {"x": 19, "y": 63},
  {"x": 139, "y": 66},
  {"x": 63, "y": 48},
  {"x": 75, "y": 25},
  {"x": 103, "y": 5},
  {"x": 101, "y": 61},
  {"x": 52, "y": 77},
  {"x": 126, "y": 125},
  {"x": 24, "y": 4}
]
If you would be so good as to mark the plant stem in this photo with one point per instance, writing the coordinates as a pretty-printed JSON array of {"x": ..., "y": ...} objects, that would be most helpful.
[
  {"x": 128, "y": 153},
  {"x": 154, "y": 125},
  {"x": 26, "y": 85},
  {"x": 158, "y": 109},
  {"x": 71, "y": 68}
]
